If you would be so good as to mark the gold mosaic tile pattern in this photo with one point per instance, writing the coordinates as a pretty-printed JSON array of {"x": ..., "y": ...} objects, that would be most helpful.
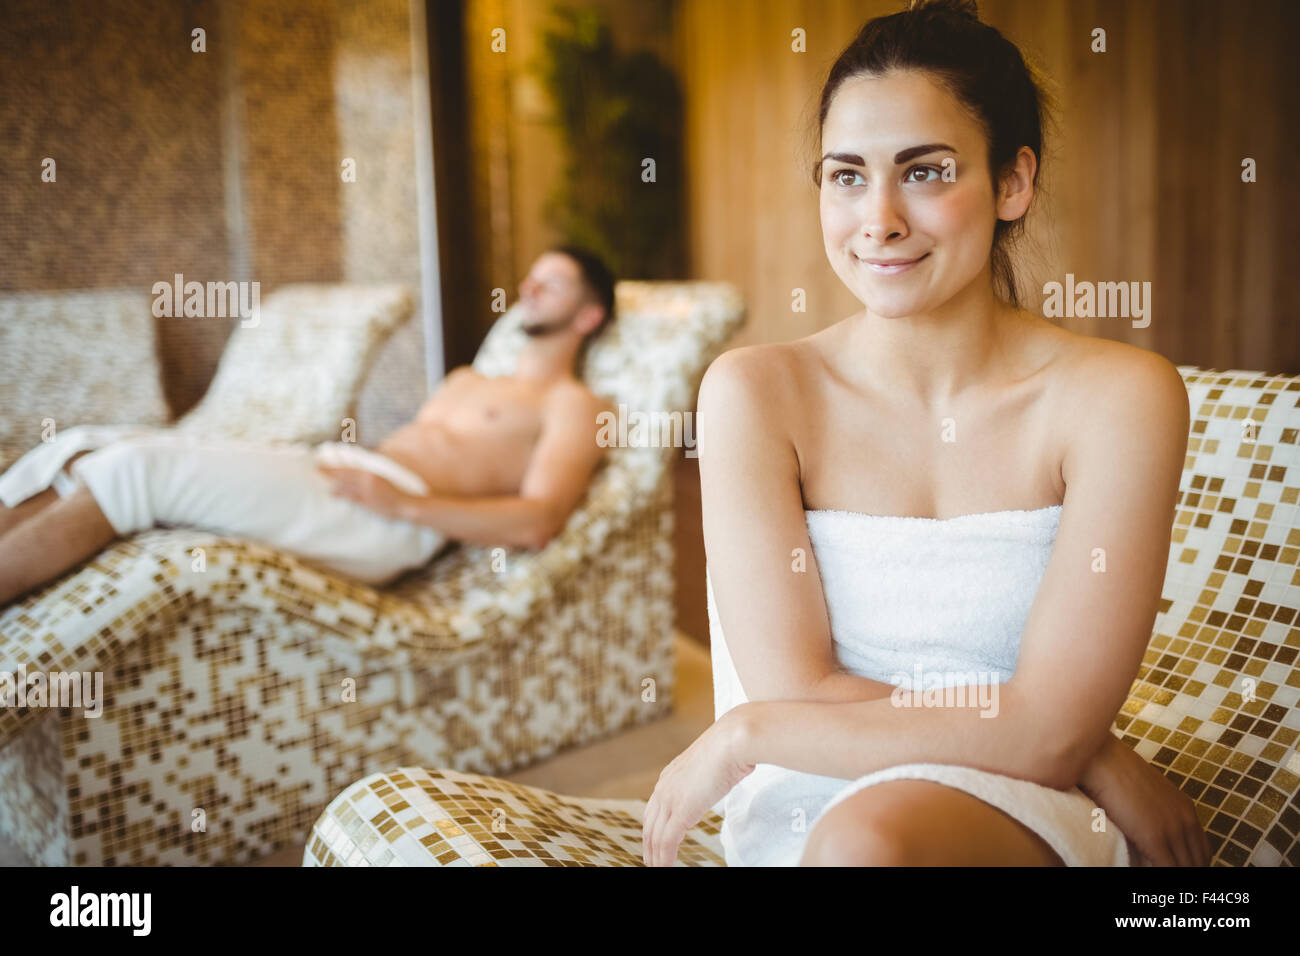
[
  {"x": 1213, "y": 706},
  {"x": 414, "y": 817},
  {"x": 224, "y": 686},
  {"x": 33, "y": 801}
]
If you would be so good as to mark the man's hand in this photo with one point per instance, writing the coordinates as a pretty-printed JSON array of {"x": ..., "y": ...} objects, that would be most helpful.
[{"x": 365, "y": 488}]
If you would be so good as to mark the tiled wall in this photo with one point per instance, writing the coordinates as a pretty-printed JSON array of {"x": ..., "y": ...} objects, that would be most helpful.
[{"x": 220, "y": 165}]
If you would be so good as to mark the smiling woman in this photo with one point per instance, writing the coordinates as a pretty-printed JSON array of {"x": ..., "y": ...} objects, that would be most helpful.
[
  {"x": 982, "y": 73},
  {"x": 937, "y": 492},
  {"x": 888, "y": 210}
]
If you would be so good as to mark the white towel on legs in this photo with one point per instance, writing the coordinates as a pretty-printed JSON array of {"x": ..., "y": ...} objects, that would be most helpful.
[
  {"x": 267, "y": 492},
  {"x": 41, "y": 468}
]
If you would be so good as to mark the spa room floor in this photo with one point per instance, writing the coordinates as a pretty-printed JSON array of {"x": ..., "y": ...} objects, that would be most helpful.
[{"x": 624, "y": 765}]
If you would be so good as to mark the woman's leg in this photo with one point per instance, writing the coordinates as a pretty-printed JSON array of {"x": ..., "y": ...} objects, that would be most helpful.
[{"x": 922, "y": 823}]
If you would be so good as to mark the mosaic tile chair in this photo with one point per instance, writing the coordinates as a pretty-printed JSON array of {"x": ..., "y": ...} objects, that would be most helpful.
[
  {"x": 86, "y": 361},
  {"x": 1213, "y": 705},
  {"x": 256, "y": 689}
]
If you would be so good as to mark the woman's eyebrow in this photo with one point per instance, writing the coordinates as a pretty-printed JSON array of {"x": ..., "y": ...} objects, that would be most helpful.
[
  {"x": 901, "y": 157},
  {"x": 914, "y": 151},
  {"x": 851, "y": 158}
]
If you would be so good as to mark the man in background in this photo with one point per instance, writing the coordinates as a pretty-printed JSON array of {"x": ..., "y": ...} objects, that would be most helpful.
[{"x": 488, "y": 461}]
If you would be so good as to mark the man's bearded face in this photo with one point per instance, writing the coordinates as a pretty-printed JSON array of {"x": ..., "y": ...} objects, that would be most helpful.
[{"x": 550, "y": 294}]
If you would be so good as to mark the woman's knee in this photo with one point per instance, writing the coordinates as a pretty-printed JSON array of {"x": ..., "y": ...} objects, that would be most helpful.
[
  {"x": 854, "y": 833},
  {"x": 922, "y": 823}
]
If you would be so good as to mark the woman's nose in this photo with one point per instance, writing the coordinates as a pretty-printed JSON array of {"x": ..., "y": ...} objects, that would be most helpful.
[{"x": 882, "y": 215}]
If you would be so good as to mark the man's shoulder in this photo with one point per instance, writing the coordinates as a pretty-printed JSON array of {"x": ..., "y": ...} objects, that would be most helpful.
[
  {"x": 572, "y": 394},
  {"x": 573, "y": 408}
]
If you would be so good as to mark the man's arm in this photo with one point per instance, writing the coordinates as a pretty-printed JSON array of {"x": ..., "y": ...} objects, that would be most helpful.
[{"x": 558, "y": 474}]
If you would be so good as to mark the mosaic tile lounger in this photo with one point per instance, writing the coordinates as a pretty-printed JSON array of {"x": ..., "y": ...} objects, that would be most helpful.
[
  {"x": 241, "y": 698},
  {"x": 1213, "y": 705},
  {"x": 88, "y": 357}
]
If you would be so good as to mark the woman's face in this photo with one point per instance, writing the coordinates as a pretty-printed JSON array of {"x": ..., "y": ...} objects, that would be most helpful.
[{"x": 905, "y": 183}]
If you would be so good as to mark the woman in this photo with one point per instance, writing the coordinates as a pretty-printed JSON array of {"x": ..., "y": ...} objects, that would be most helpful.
[{"x": 940, "y": 491}]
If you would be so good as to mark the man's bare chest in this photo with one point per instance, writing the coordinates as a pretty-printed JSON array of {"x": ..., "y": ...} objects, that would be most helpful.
[{"x": 488, "y": 410}]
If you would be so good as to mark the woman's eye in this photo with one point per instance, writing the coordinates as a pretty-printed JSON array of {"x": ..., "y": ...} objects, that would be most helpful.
[
  {"x": 925, "y": 172},
  {"x": 841, "y": 172}
]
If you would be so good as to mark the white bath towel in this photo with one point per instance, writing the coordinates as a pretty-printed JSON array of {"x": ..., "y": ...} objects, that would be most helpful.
[
  {"x": 268, "y": 492},
  {"x": 41, "y": 467},
  {"x": 945, "y": 600}
]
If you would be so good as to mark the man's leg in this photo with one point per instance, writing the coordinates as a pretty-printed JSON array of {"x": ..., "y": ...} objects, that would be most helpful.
[
  {"x": 12, "y": 517},
  {"x": 58, "y": 537},
  {"x": 139, "y": 483},
  {"x": 272, "y": 493},
  {"x": 264, "y": 492}
]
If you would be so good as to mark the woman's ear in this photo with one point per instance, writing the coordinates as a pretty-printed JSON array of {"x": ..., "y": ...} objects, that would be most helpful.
[{"x": 1016, "y": 187}]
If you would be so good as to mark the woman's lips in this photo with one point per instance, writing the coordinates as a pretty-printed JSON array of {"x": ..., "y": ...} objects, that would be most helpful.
[{"x": 893, "y": 268}]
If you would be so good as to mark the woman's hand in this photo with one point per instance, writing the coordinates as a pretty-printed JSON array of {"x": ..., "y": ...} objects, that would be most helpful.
[
  {"x": 1158, "y": 817},
  {"x": 364, "y": 487},
  {"x": 698, "y": 778}
]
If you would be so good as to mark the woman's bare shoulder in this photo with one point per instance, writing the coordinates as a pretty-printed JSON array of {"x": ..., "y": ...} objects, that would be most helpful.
[
  {"x": 765, "y": 358},
  {"x": 757, "y": 396},
  {"x": 1088, "y": 369},
  {"x": 1106, "y": 387},
  {"x": 788, "y": 361},
  {"x": 769, "y": 374}
]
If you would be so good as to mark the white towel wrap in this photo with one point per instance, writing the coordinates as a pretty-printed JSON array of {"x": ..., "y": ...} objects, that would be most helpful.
[{"x": 947, "y": 598}]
